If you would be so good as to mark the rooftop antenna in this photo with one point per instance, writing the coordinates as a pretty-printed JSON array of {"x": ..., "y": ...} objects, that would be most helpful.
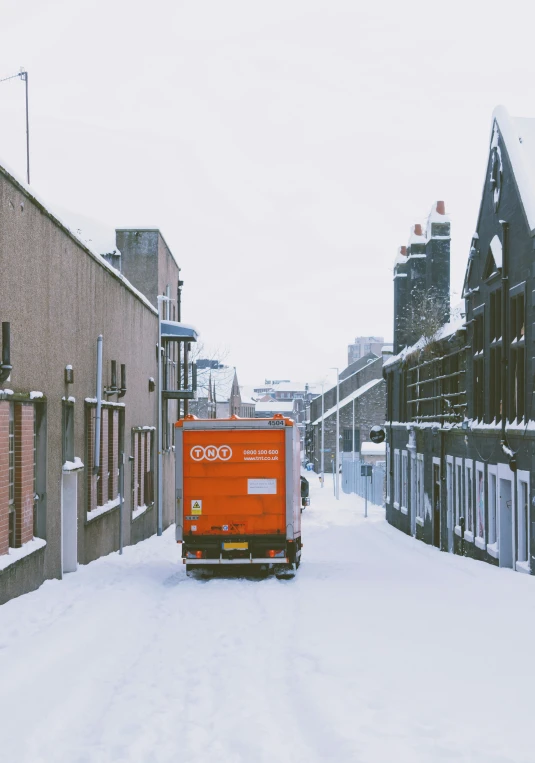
[{"x": 24, "y": 77}]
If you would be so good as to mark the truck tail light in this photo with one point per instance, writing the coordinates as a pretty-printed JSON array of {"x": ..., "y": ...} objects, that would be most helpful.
[
  {"x": 275, "y": 554},
  {"x": 194, "y": 554}
]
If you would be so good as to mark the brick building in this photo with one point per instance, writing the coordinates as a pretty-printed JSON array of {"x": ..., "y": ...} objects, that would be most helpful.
[
  {"x": 59, "y": 505},
  {"x": 460, "y": 429},
  {"x": 361, "y": 406}
]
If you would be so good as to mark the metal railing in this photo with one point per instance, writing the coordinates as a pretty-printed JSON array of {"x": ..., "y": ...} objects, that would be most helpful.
[{"x": 354, "y": 482}]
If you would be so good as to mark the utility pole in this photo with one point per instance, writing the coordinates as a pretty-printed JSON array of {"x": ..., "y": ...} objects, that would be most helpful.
[{"x": 24, "y": 77}]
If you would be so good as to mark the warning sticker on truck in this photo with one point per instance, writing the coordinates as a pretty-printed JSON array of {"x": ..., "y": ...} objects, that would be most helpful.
[
  {"x": 262, "y": 487},
  {"x": 196, "y": 507}
]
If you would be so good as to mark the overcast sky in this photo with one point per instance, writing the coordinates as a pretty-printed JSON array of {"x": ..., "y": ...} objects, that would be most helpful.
[{"x": 284, "y": 148}]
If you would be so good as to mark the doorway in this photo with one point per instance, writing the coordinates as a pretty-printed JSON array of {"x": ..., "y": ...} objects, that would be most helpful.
[
  {"x": 69, "y": 521},
  {"x": 505, "y": 520}
]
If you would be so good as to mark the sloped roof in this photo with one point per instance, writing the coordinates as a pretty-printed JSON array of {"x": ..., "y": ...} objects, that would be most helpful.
[
  {"x": 352, "y": 396},
  {"x": 518, "y": 135}
]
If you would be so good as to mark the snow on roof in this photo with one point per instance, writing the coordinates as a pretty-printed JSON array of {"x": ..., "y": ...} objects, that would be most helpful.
[
  {"x": 373, "y": 448},
  {"x": 518, "y": 135},
  {"x": 349, "y": 398},
  {"x": 435, "y": 216},
  {"x": 278, "y": 406},
  {"x": 401, "y": 258},
  {"x": 95, "y": 234},
  {"x": 247, "y": 394},
  {"x": 416, "y": 238},
  {"x": 221, "y": 378},
  {"x": 12, "y": 176},
  {"x": 497, "y": 252},
  {"x": 457, "y": 322}
]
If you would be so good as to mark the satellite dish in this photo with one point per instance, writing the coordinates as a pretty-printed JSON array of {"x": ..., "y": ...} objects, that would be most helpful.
[{"x": 377, "y": 434}]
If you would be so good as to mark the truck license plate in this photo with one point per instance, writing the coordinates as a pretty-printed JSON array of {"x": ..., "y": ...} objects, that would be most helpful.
[{"x": 235, "y": 546}]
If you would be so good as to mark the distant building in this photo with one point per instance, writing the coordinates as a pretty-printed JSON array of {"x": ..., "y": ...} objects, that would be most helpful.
[
  {"x": 363, "y": 345},
  {"x": 218, "y": 392},
  {"x": 362, "y": 404}
]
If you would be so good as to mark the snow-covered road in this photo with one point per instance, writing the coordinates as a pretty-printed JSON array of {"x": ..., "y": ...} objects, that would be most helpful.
[{"x": 381, "y": 650}]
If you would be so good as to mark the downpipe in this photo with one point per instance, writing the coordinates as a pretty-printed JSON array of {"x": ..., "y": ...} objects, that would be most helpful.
[{"x": 96, "y": 465}]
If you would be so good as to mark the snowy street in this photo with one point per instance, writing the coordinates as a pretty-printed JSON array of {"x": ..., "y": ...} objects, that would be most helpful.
[{"x": 381, "y": 650}]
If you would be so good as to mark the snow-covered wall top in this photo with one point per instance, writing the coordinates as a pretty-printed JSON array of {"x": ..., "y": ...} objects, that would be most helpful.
[{"x": 30, "y": 193}]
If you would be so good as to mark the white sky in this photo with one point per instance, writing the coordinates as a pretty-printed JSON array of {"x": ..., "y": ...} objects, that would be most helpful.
[{"x": 283, "y": 148}]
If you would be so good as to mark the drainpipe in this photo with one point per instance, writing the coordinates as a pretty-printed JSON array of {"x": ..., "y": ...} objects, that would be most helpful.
[
  {"x": 505, "y": 343},
  {"x": 99, "y": 405}
]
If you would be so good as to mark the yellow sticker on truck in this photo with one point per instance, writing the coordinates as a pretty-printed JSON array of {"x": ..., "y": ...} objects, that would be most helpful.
[{"x": 196, "y": 506}]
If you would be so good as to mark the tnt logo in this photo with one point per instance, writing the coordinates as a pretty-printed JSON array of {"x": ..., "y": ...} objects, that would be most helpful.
[{"x": 211, "y": 453}]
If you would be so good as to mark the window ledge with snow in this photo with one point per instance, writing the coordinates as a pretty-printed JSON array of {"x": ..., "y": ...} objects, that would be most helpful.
[
  {"x": 404, "y": 510},
  {"x": 104, "y": 509},
  {"x": 16, "y": 554},
  {"x": 523, "y": 567},
  {"x": 141, "y": 510},
  {"x": 395, "y": 505},
  {"x": 480, "y": 543},
  {"x": 420, "y": 521},
  {"x": 458, "y": 531},
  {"x": 73, "y": 466},
  {"x": 493, "y": 550},
  {"x": 469, "y": 536}
]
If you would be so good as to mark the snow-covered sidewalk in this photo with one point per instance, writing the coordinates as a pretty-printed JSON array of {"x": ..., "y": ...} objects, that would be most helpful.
[{"x": 381, "y": 650}]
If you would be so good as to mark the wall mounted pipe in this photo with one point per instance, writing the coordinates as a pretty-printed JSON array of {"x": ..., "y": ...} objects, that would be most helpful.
[
  {"x": 99, "y": 405},
  {"x": 122, "y": 391}
]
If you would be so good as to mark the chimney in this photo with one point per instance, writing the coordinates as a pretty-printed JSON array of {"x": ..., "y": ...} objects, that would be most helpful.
[
  {"x": 403, "y": 250},
  {"x": 418, "y": 229},
  {"x": 441, "y": 208}
]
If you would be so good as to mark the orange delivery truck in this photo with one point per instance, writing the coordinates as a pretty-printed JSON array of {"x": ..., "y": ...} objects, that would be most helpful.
[{"x": 238, "y": 493}]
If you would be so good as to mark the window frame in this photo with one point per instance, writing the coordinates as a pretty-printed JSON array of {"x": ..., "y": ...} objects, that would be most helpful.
[
  {"x": 469, "y": 500},
  {"x": 522, "y": 528},
  {"x": 493, "y": 531},
  {"x": 480, "y": 540}
]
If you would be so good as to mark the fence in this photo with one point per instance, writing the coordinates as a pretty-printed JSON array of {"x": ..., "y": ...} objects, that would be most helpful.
[{"x": 353, "y": 482}]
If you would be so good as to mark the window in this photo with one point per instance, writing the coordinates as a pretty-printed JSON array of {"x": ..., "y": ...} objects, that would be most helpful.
[
  {"x": 404, "y": 481},
  {"x": 478, "y": 342},
  {"x": 522, "y": 521},
  {"x": 348, "y": 440},
  {"x": 420, "y": 507},
  {"x": 142, "y": 469},
  {"x": 449, "y": 497},
  {"x": 480, "y": 506},
  {"x": 459, "y": 505},
  {"x": 469, "y": 502},
  {"x": 517, "y": 358},
  {"x": 495, "y": 368},
  {"x": 397, "y": 474},
  {"x": 493, "y": 508},
  {"x": 104, "y": 490},
  {"x": 21, "y": 473},
  {"x": 67, "y": 431}
]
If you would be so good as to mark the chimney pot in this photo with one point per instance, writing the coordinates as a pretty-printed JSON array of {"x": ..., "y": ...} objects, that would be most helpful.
[
  {"x": 441, "y": 208},
  {"x": 403, "y": 250},
  {"x": 418, "y": 229}
]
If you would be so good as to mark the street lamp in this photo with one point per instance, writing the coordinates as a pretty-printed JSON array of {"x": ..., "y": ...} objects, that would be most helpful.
[
  {"x": 24, "y": 77},
  {"x": 337, "y": 443}
]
